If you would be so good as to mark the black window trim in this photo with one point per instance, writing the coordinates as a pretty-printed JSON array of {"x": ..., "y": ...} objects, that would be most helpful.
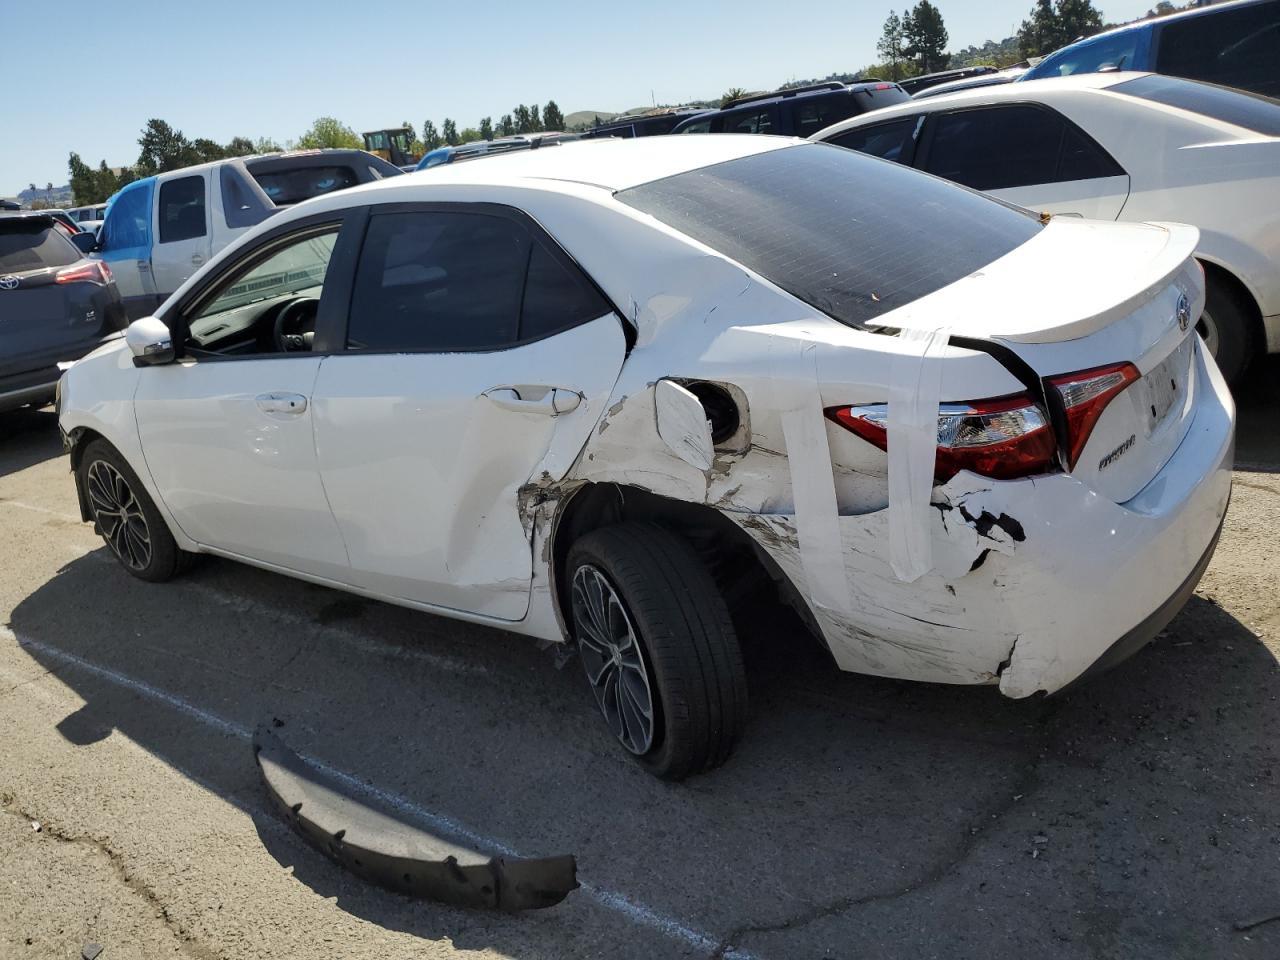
[
  {"x": 924, "y": 137},
  {"x": 338, "y": 283},
  {"x": 485, "y": 208}
]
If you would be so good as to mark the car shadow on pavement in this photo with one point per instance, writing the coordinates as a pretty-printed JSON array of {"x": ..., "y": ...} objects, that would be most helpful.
[
  {"x": 28, "y": 437},
  {"x": 1132, "y": 816}
]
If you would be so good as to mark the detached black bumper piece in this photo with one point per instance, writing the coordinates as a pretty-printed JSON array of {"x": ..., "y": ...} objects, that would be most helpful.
[{"x": 399, "y": 856}]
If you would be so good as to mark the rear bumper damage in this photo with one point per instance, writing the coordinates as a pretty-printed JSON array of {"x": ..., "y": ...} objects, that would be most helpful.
[
  {"x": 396, "y": 855},
  {"x": 1033, "y": 581}
]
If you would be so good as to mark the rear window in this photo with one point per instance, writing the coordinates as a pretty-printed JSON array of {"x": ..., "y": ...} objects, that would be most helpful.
[
  {"x": 302, "y": 183},
  {"x": 1256, "y": 113},
  {"x": 851, "y": 235},
  {"x": 33, "y": 245}
]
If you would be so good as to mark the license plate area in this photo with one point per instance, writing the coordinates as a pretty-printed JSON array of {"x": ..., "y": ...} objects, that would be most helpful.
[{"x": 1168, "y": 385}]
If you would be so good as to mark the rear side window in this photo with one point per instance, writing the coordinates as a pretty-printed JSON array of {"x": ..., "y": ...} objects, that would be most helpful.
[
  {"x": 1236, "y": 48},
  {"x": 1256, "y": 113},
  {"x": 757, "y": 121},
  {"x": 302, "y": 183},
  {"x": 998, "y": 148},
  {"x": 182, "y": 209},
  {"x": 33, "y": 245},
  {"x": 890, "y": 141},
  {"x": 848, "y": 234},
  {"x": 814, "y": 113},
  {"x": 555, "y": 298}
]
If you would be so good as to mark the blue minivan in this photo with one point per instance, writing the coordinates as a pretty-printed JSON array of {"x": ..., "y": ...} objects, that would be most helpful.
[{"x": 1231, "y": 44}]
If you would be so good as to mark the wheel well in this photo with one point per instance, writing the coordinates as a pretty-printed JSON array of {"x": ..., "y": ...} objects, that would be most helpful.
[
  {"x": 1228, "y": 280},
  {"x": 738, "y": 564},
  {"x": 80, "y": 438}
]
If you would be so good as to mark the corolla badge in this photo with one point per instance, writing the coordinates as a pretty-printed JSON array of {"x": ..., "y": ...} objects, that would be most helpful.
[
  {"x": 9, "y": 283},
  {"x": 1184, "y": 313}
]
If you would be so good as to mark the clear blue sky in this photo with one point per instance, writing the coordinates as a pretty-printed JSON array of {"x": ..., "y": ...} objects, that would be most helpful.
[{"x": 270, "y": 67}]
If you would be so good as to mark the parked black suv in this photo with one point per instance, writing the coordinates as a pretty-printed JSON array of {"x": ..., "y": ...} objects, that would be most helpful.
[
  {"x": 643, "y": 124},
  {"x": 798, "y": 112},
  {"x": 914, "y": 85},
  {"x": 56, "y": 305}
]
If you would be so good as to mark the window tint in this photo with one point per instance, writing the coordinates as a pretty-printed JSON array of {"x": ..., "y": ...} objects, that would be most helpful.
[
  {"x": 1256, "y": 113},
  {"x": 438, "y": 281},
  {"x": 804, "y": 218},
  {"x": 996, "y": 148},
  {"x": 891, "y": 141},
  {"x": 555, "y": 298},
  {"x": 702, "y": 126},
  {"x": 814, "y": 113},
  {"x": 1115, "y": 52},
  {"x": 128, "y": 222},
  {"x": 302, "y": 183},
  {"x": 182, "y": 209},
  {"x": 758, "y": 122},
  {"x": 32, "y": 245},
  {"x": 1236, "y": 48}
]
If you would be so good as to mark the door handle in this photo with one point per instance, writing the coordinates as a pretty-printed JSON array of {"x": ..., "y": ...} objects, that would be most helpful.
[
  {"x": 555, "y": 401},
  {"x": 196, "y": 259},
  {"x": 276, "y": 402}
]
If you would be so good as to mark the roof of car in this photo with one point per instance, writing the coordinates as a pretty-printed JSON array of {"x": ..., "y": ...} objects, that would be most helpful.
[
  {"x": 992, "y": 93},
  {"x": 608, "y": 162}
]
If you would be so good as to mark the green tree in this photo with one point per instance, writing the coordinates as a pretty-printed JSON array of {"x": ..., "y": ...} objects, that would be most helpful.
[
  {"x": 506, "y": 126},
  {"x": 430, "y": 136},
  {"x": 535, "y": 119},
  {"x": 486, "y": 127},
  {"x": 206, "y": 150},
  {"x": 328, "y": 132},
  {"x": 1055, "y": 24},
  {"x": 84, "y": 185},
  {"x": 522, "y": 120},
  {"x": 265, "y": 145},
  {"x": 240, "y": 147},
  {"x": 733, "y": 93},
  {"x": 450, "y": 132},
  {"x": 1078, "y": 18},
  {"x": 926, "y": 37},
  {"x": 891, "y": 45},
  {"x": 552, "y": 118},
  {"x": 163, "y": 148},
  {"x": 469, "y": 135}
]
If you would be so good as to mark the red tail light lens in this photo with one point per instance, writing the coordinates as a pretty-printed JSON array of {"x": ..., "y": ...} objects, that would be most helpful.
[
  {"x": 95, "y": 271},
  {"x": 1085, "y": 395},
  {"x": 1004, "y": 438}
]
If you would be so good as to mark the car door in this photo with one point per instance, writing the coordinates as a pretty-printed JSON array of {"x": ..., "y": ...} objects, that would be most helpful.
[
  {"x": 477, "y": 357},
  {"x": 124, "y": 244},
  {"x": 1027, "y": 154},
  {"x": 181, "y": 230},
  {"x": 227, "y": 430}
]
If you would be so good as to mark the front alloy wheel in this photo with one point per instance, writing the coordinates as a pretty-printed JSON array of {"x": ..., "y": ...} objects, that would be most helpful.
[
  {"x": 613, "y": 660},
  {"x": 119, "y": 515}
]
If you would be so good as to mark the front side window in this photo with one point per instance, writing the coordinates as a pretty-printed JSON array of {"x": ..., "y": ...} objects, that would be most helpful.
[
  {"x": 889, "y": 141},
  {"x": 1236, "y": 48},
  {"x": 804, "y": 218},
  {"x": 182, "y": 209},
  {"x": 246, "y": 312},
  {"x": 999, "y": 148}
]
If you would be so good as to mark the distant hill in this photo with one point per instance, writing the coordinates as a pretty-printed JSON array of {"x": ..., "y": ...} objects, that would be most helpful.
[
  {"x": 581, "y": 119},
  {"x": 58, "y": 197}
]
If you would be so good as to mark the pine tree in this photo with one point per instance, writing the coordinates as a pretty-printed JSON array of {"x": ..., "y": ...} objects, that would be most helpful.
[
  {"x": 486, "y": 128},
  {"x": 926, "y": 37},
  {"x": 430, "y": 137},
  {"x": 450, "y": 130},
  {"x": 552, "y": 118},
  {"x": 891, "y": 44},
  {"x": 506, "y": 126},
  {"x": 535, "y": 119}
]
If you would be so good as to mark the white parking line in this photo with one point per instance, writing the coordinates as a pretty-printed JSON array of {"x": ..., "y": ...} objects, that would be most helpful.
[
  {"x": 45, "y": 510},
  {"x": 610, "y": 899}
]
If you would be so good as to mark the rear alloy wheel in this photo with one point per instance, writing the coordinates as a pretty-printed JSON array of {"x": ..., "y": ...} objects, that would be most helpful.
[
  {"x": 658, "y": 648},
  {"x": 1224, "y": 326},
  {"x": 125, "y": 516}
]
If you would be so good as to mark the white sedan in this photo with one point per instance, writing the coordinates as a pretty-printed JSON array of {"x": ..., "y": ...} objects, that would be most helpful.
[
  {"x": 589, "y": 394},
  {"x": 1119, "y": 146}
]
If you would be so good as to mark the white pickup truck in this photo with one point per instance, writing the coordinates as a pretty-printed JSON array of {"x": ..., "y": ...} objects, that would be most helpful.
[{"x": 159, "y": 230}]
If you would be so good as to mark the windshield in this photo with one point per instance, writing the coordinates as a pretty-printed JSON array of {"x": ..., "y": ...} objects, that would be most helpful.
[
  {"x": 849, "y": 234},
  {"x": 297, "y": 268}
]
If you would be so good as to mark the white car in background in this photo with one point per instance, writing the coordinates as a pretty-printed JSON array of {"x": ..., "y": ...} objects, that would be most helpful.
[
  {"x": 599, "y": 394},
  {"x": 1119, "y": 146}
]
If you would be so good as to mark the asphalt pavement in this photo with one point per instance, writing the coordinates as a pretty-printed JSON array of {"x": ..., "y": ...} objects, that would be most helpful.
[{"x": 1136, "y": 816}]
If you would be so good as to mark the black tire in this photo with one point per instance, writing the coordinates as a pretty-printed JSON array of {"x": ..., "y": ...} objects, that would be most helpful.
[
  {"x": 686, "y": 639},
  {"x": 1235, "y": 335},
  {"x": 101, "y": 464}
]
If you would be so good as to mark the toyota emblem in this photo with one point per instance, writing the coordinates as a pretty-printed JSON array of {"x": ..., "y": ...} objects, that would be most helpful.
[
  {"x": 9, "y": 283},
  {"x": 1184, "y": 313}
]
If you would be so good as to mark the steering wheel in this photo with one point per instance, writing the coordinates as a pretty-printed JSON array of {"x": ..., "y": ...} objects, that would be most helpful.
[{"x": 286, "y": 341}]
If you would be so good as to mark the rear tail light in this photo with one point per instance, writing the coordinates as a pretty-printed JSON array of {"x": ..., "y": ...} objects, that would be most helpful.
[
  {"x": 1085, "y": 395},
  {"x": 95, "y": 271},
  {"x": 1004, "y": 438}
]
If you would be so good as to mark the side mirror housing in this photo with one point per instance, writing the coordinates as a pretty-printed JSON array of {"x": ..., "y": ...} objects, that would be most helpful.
[
  {"x": 85, "y": 242},
  {"x": 149, "y": 340}
]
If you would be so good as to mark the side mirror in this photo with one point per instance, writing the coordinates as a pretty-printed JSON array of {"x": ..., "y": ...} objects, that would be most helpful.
[
  {"x": 85, "y": 242},
  {"x": 149, "y": 340}
]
